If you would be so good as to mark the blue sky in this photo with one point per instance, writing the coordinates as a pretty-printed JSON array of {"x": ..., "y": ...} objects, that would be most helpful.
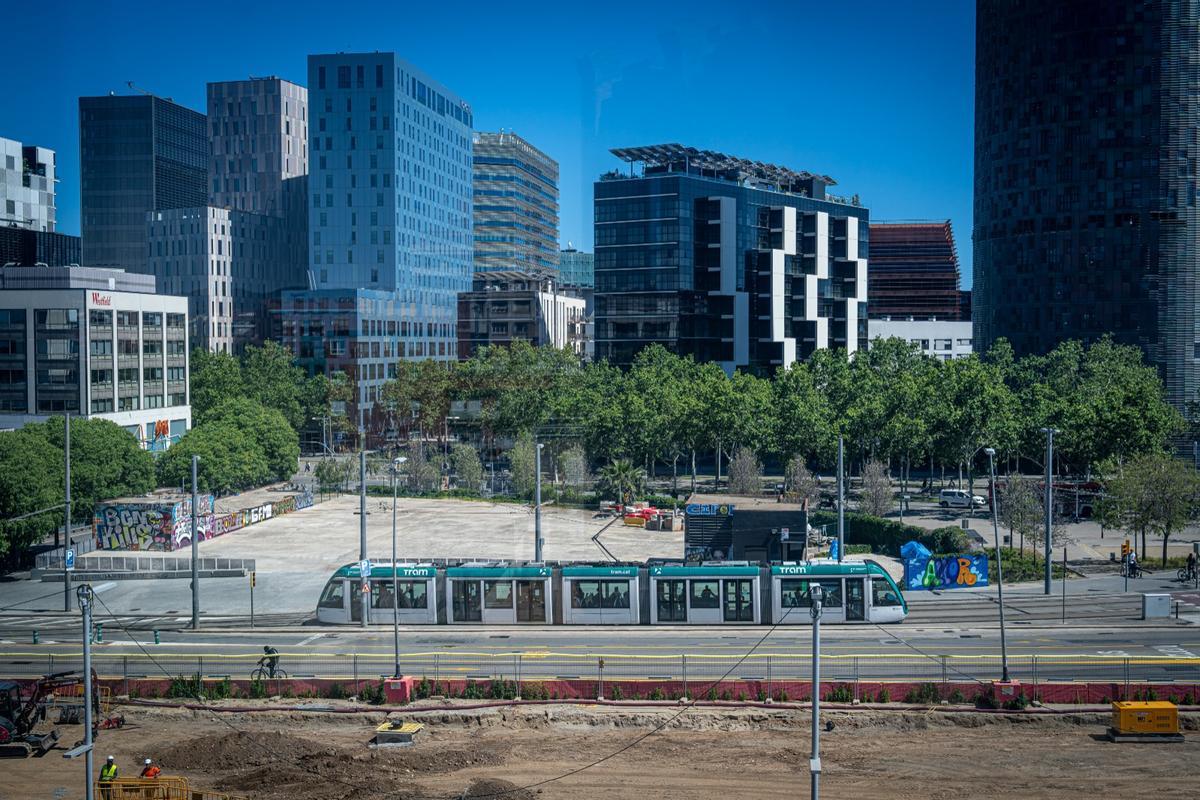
[{"x": 876, "y": 94}]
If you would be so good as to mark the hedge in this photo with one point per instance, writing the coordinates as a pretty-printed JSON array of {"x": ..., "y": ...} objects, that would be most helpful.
[{"x": 888, "y": 536}]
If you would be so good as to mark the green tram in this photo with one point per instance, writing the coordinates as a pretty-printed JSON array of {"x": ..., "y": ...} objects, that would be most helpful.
[{"x": 659, "y": 593}]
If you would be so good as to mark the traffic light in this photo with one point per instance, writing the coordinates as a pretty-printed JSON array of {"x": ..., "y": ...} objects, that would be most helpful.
[{"x": 1124, "y": 549}]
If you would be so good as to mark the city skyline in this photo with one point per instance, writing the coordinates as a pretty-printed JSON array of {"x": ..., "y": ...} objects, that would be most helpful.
[{"x": 903, "y": 136}]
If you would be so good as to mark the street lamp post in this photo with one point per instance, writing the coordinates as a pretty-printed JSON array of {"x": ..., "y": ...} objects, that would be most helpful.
[
  {"x": 991, "y": 454},
  {"x": 1049, "y": 500},
  {"x": 362, "y": 513},
  {"x": 816, "y": 594},
  {"x": 395, "y": 582},
  {"x": 537, "y": 504},
  {"x": 841, "y": 490},
  {"x": 67, "y": 520}
]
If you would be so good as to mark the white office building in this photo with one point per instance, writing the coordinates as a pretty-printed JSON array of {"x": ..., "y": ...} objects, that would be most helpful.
[
  {"x": 940, "y": 338},
  {"x": 96, "y": 343}
]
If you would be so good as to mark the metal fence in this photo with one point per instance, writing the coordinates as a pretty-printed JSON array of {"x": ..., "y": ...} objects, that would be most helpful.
[{"x": 442, "y": 665}]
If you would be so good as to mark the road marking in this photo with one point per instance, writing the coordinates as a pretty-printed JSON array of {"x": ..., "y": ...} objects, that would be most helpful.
[
  {"x": 309, "y": 640},
  {"x": 1174, "y": 651},
  {"x": 104, "y": 587},
  {"x": 1112, "y": 653}
]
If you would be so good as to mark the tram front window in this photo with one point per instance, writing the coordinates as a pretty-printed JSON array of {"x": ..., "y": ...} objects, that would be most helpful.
[
  {"x": 334, "y": 595},
  {"x": 882, "y": 594}
]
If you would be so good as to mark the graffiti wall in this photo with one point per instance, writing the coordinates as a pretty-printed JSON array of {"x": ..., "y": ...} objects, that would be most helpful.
[
  {"x": 158, "y": 525},
  {"x": 923, "y": 570}
]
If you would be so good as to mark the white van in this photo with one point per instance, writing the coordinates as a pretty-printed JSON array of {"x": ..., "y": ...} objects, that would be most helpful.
[{"x": 957, "y": 498}]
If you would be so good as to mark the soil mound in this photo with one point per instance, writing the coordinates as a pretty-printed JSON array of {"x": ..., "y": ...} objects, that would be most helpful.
[
  {"x": 483, "y": 788},
  {"x": 238, "y": 750},
  {"x": 447, "y": 759}
]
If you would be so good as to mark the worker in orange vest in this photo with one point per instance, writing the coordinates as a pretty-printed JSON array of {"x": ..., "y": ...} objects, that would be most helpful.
[{"x": 151, "y": 770}]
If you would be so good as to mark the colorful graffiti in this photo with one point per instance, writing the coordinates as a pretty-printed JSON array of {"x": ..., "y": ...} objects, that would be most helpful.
[
  {"x": 923, "y": 570},
  {"x": 168, "y": 526}
]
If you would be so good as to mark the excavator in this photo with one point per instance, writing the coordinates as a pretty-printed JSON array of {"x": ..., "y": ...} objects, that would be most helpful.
[{"x": 18, "y": 719}]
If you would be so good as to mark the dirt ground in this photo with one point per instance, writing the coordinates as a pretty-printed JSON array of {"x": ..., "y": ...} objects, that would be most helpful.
[{"x": 705, "y": 753}]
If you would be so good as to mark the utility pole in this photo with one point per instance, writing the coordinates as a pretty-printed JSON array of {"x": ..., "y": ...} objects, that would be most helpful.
[
  {"x": 362, "y": 513},
  {"x": 195, "y": 545},
  {"x": 85, "y": 605},
  {"x": 841, "y": 490},
  {"x": 67, "y": 530},
  {"x": 1049, "y": 500},
  {"x": 395, "y": 583},
  {"x": 991, "y": 454},
  {"x": 816, "y": 594},
  {"x": 537, "y": 503}
]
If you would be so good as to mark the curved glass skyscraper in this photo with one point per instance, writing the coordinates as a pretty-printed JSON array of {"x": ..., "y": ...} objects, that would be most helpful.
[{"x": 1086, "y": 144}]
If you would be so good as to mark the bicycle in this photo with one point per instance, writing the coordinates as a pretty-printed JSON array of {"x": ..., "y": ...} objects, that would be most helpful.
[
  {"x": 1133, "y": 570},
  {"x": 1186, "y": 575},
  {"x": 266, "y": 673}
]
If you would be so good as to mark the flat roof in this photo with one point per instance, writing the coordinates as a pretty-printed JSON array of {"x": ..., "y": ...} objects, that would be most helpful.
[{"x": 661, "y": 155}]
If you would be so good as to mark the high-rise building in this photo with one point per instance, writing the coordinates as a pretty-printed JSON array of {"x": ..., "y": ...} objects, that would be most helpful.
[
  {"x": 95, "y": 343},
  {"x": 1086, "y": 220},
  {"x": 23, "y": 247},
  {"x": 233, "y": 256},
  {"x": 505, "y": 307},
  {"x": 914, "y": 271},
  {"x": 747, "y": 264},
  {"x": 515, "y": 205},
  {"x": 390, "y": 217},
  {"x": 576, "y": 268},
  {"x": 138, "y": 154},
  {"x": 27, "y": 186}
]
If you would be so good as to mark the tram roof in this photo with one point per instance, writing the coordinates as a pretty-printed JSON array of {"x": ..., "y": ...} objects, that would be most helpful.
[
  {"x": 497, "y": 572},
  {"x": 701, "y": 571},
  {"x": 832, "y": 568},
  {"x": 385, "y": 571}
]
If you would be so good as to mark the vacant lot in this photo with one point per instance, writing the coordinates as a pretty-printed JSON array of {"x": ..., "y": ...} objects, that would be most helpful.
[{"x": 705, "y": 753}]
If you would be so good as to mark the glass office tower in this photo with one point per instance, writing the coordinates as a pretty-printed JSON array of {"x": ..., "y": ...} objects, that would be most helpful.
[
  {"x": 1085, "y": 178},
  {"x": 138, "y": 153},
  {"x": 516, "y": 205}
]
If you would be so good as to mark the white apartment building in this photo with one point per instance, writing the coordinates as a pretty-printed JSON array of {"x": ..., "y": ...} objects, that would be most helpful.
[
  {"x": 26, "y": 186},
  {"x": 940, "y": 338},
  {"x": 96, "y": 343}
]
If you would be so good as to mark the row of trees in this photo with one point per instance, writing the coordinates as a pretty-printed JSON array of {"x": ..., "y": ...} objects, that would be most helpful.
[
  {"x": 891, "y": 403},
  {"x": 106, "y": 462}
]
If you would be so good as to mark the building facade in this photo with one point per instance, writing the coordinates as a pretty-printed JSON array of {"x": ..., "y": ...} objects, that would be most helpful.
[
  {"x": 747, "y": 264},
  {"x": 137, "y": 154},
  {"x": 576, "y": 268},
  {"x": 504, "y": 307},
  {"x": 914, "y": 271},
  {"x": 96, "y": 343},
  {"x": 22, "y": 247},
  {"x": 27, "y": 186},
  {"x": 515, "y": 205},
  {"x": 1086, "y": 221},
  {"x": 390, "y": 214},
  {"x": 937, "y": 338},
  {"x": 229, "y": 264}
]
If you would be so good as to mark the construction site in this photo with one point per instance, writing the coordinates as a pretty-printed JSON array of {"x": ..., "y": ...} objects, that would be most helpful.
[{"x": 235, "y": 749}]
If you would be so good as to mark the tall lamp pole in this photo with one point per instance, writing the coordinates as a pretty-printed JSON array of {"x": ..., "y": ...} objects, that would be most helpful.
[
  {"x": 67, "y": 530},
  {"x": 362, "y": 513},
  {"x": 537, "y": 504},
  {"x": 841, "y": 490},
  {"x": 1049, "y": 500},
  {"x": 816, "y": 594},
  {"x": 195, "y": 560},
  {"x": 85, "y": 605},
  {"x": 991, "y": 454},
  {"x": 395, "y": 582}
]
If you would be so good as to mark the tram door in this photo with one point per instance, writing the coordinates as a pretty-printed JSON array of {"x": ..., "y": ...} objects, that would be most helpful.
[
  {"x": 531, "y": 601},
  {"x": 355, "y": 594},
  {"x": 672, "y": 601},
  {"x": 467, "y": 605},
  {"x": 739, "y": 601},
  {"x": 855, "y": 600}
]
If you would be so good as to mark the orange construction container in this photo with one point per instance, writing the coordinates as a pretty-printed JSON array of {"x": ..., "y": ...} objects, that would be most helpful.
[{"x": 1145, "y": 717}]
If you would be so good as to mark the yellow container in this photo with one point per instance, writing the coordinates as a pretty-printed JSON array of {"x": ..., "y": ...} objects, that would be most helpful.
[{"x": 1145, "y": 717}]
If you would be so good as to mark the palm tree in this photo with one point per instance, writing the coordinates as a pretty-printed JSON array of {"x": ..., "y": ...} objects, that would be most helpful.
[{"x": 622, "y": 480}]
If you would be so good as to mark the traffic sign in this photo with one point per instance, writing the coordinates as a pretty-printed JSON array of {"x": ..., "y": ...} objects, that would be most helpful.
[
  {"x": 364, "y": 568},
  {"x": 69, "y": 559},
  {"x": 784, "y": 534}
]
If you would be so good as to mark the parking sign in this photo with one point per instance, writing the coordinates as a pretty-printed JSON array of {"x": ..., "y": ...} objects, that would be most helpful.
[
  {"x": 364, "y": 568},
  {"x": 69, "y": 559}
]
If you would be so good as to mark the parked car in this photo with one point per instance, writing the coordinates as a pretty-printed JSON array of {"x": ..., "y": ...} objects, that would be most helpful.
[{"x": 957, "y": 498}]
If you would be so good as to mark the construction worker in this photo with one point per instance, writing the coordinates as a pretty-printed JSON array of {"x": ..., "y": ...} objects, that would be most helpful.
[
  {"x": 109, "y": 772},
  {"x": 151, "y": 770}
]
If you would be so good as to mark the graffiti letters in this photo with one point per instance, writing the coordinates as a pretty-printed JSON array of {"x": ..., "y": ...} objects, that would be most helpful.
[
  {"x": 948, "y": 572},
  {"x": 168, "y": 526}
]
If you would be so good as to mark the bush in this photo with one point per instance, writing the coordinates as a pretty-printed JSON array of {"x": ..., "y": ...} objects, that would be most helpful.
[
  {"x": 616, "y": 692},
  {"x": 190, "y": 687},
  {"x": 840, "y": 694},
  {"x": 336, "y": 692},
  {"x": 887, "y": 536},
  {"x": 657, "y": 694},
  {"x": 884, "y": 696},
  {"x": 258, "y": 690},
  {"x": 1020, "y": 567},
  {"x": 925, "y": 694},
  {"x": 957, "y": 697}
]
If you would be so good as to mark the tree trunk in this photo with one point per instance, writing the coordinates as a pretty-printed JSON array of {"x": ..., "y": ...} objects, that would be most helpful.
[
  {"x": 693, "y": 470},
  {"x": 718, "y": 483},
  {"x": 1166, "y": 536}
]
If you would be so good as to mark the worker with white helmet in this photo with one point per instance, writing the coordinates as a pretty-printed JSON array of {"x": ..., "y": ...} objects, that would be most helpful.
[
  {"x": 150, "y": 770},
  {"x": 109, "y": 772}
]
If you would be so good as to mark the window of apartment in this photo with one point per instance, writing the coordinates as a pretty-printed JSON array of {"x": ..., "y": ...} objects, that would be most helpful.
[
  {"x": 127, "y": 375},
  {"x": 176, "y": 320},
  {"x": 102, "y": 405},
  {"x": 152, "y": 347},
  {"x": 154, "y": 401},
  {"x": 964, "y": 342},
  {"x": 56, "y": 318},
  {"x": 941, "y": 344},
  {"x": 127, "y": 319},
  {"x": 100, "y": 319},
  {"x": 343, "y": 73},
  {"x": 129, "y": 403},
  {"x": 127, "y": 347},
  {"x": 177, "y": 399},
  {"x": 152, "y": 319},
  {"x": 176, "y": 347},
  {"x": 152, "y": 373},
  {"x": 101, "y": 376},
  {"x": 102, "y": 347},
  {"x": 176, "y": 374}
]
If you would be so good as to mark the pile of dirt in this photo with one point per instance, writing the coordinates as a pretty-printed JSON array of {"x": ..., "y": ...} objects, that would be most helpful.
[
  {"x": 419, "y": 759},
  {"x": 491, "y": 787},
  {"x": 238, "y": 750}
]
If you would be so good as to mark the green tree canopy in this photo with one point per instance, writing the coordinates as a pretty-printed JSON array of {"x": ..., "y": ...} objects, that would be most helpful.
[
  {"x": 31, "y": 479},
  {"x": 230, "y": 459},
  {"x": 269, "y": 431}
]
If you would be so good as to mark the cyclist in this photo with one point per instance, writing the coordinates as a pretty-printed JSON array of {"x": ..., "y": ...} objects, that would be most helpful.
[
  {"x": 1191, "y": 566},
  {"x": 270, "y": 660},
  {"x": 1134, "y": 570}
]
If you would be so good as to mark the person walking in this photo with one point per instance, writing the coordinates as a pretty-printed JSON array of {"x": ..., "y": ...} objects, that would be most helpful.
[{"x": 109, "y": 772}]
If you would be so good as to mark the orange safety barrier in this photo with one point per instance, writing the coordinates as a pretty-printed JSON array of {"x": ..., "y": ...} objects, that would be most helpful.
[{"x": 164, "y": 787}]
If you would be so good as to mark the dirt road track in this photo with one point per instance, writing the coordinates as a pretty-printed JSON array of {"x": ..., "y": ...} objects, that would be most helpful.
[{"x": 719, "y": 753}]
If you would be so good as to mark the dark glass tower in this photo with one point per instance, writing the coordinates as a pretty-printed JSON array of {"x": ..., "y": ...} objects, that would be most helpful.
[
  {"x": 138, "y": 154},
  {"x": 1086, "y": 117}
]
